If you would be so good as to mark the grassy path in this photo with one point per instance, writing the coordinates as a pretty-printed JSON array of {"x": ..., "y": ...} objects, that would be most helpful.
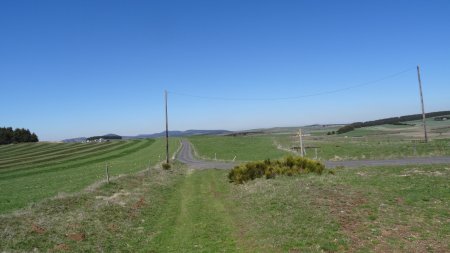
[{"x": 196, "y": 218}]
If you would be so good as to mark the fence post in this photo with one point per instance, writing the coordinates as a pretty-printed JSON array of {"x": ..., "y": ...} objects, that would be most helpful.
[{"x": 107, "y": 173}]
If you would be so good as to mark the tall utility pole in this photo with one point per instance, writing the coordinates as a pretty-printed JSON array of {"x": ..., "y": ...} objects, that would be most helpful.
[
  {"x": 167, "y": 130},
  {"x": 423, "y": 107},
  {"x": 300, "y": 136}
]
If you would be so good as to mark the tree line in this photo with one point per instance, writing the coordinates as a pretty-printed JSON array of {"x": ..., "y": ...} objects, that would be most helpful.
[
  {"x": 18, "y": 135},
  {"x": 393, "y": 121},
  {"x": 106, "y": 137}
]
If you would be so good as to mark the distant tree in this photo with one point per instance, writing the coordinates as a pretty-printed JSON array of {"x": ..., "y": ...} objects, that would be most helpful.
[
  {"x": 8, "y": 135},
  {"x": 106, "y": 137},
  {"x": 34, "y": 138},
  {"x": 393, "y": 120}
]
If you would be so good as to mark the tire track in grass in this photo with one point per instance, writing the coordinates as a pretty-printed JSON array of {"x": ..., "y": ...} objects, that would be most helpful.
[{"x": 196, "y": 219}]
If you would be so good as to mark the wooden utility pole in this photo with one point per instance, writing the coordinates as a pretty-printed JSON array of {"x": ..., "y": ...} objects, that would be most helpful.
[
  {"x": 423, "y": 107},
  {"x": 167, "y": 130},
  {"x": 300, "y": 136}
]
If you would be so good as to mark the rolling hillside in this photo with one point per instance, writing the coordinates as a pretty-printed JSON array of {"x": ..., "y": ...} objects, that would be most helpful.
[{"x": 34, "y": 171}]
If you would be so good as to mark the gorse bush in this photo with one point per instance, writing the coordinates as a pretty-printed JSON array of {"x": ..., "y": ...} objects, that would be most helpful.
[{"x": 269, "y": 169}]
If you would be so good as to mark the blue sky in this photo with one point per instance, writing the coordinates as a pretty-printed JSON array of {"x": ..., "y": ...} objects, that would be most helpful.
[{"x": 83, "y": 68}]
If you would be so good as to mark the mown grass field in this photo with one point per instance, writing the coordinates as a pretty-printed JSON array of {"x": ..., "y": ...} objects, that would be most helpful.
[
  {"x": 401, "y": 209},
  {"x": 35, "y": 171}
]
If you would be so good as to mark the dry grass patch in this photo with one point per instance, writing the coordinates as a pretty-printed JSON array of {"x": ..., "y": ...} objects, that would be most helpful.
[
  {"x": 104, "y": 218},
  {"x": 355, "y": 210}
]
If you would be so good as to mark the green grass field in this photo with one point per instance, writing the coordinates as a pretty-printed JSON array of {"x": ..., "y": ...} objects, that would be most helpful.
[
  {"x": 273, "y": 146},
  {"x": 377, "y": 142},
  {"x": 35, "y": 171},
  {"x": 391, "y": 209},
  {"x": 247, "y": 148},
  {"x": 373, "y": 147}
]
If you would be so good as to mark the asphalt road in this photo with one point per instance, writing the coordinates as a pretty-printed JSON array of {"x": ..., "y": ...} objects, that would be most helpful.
[
  {"x": 186, "y": 156},
  {"x": 390, "y": 162}
]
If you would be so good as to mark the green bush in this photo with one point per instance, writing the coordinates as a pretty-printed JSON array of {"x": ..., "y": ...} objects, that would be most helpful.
[{"x": 269, "y": 169}]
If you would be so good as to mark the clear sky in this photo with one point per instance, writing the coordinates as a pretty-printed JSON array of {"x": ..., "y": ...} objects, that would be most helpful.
[{"x": 83, "y": 68}]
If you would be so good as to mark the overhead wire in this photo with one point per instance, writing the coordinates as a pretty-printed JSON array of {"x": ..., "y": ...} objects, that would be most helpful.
[{"x": 294, "y": 97}]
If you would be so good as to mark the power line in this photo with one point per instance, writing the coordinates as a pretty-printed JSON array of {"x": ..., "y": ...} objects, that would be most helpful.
[{"x": 295, "y": 97}]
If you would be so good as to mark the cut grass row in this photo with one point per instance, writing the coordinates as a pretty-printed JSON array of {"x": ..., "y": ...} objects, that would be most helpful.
[
  {"x": 36, "y": 151},
  {"x": 390, "y": 209},
  {"x": 59, "y": 153},
  {"x": 21, "y": 187},
  {"x": 14, "y": 149},
  {"x": 52, "y": 161}
]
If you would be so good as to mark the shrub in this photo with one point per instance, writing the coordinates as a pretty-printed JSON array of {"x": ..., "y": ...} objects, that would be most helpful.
[
  {"x": 166, "y": 166},
  {"x": 269, "y": 169}
]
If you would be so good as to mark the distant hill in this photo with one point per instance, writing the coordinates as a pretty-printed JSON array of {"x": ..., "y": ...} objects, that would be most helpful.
[
  {"x": 179, "y": 134},
  {"x": 279, "y": 130},
  {"x": 77, "y": 139},
  {"x": 155, "y": 135}
]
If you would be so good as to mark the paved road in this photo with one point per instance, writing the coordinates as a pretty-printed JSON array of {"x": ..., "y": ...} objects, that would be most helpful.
[
  {"x": 185, "y": 156},
  {"x": 390, "y": 162}
]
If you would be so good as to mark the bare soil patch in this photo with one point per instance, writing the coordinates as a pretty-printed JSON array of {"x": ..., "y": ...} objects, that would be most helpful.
[
  {"x": 77, "y": 236},
  {"x": 38, "y": 229}
]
